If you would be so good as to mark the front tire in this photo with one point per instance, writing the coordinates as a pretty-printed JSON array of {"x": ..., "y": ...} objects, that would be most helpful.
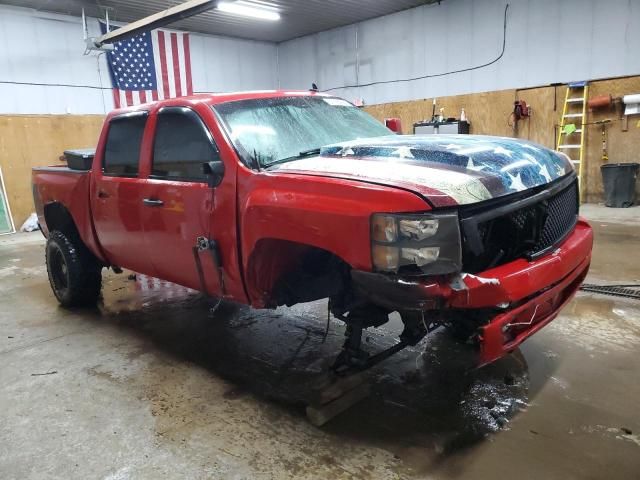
[{"x": 74, "y": 273}]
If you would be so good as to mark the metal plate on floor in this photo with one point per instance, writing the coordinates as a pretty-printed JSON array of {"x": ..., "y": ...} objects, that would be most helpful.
[{"x": 627, "y": 291}]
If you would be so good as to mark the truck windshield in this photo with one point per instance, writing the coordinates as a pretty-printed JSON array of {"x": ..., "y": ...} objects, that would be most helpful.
[{"x": 267, "y": 131}]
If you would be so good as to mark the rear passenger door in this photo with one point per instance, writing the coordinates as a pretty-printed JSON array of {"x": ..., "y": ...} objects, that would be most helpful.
[
  {"x": 117, "y": 194},
  {"x": 178, "y": 203}
]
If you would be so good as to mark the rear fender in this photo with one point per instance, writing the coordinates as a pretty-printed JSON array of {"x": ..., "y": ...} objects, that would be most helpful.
[
  {"x": 61, "y": 197},
  {"x": 57, "y": 217}
]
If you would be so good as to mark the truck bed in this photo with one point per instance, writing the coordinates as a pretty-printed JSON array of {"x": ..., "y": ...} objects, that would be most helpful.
[{"x": 59, "y": 186}]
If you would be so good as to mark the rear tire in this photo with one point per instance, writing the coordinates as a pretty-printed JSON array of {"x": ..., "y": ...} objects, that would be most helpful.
[{"x": 74, "y": 273}]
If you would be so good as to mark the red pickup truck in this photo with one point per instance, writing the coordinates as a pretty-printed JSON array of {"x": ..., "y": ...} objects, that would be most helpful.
[{"x": 275, "y": 198}]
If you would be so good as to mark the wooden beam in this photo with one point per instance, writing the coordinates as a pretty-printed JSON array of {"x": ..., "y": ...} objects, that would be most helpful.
[{"x": 160, "y": 19}]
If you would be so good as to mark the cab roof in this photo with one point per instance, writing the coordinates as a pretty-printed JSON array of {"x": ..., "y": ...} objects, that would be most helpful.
[{"x": 217, "y": 98}]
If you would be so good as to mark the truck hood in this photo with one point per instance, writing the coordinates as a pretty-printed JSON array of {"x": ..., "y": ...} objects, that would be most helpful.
[{"x": 448, "y": 170}]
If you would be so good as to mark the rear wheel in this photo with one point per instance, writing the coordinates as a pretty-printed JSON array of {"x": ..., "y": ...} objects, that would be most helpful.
[{"x": 74, "y": 273}]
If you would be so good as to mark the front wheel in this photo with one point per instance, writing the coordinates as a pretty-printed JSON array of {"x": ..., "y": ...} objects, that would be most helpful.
[{"x": 74, "y": 273}]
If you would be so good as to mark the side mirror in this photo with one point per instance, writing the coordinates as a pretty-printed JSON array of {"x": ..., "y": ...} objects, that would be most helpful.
[{"x": 214, "y": 171}]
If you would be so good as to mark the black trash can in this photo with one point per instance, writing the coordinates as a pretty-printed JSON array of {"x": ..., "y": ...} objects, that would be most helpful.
[{"x": 619, "y": 181}]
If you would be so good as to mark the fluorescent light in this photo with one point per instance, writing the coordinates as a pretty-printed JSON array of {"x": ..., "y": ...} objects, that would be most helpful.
[{"x": 245, "y": 10}]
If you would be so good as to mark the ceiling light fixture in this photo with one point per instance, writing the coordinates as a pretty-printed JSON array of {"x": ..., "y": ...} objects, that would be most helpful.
[{"x": 241, "y": 8}]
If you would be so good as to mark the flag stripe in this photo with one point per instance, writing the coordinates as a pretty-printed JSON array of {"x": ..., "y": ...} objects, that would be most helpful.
[
  {"x": 116, "y": 98},
  {"x": 171, "y": 85},
  {"x": 143, "y": 96},
  {"x": 176, "y": 64},
  {"x": 163, "y": 65},
  {"x": 128, "y": 97},
  {"x": 187, "y": 63},
  {"x": 156, "y": 57},
  {"x": 181, "y": 65}
]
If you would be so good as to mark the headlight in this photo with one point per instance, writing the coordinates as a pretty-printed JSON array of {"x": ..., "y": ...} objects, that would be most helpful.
[
  {"x": 419, "y": 229},
  {"x": 430, "y": 242},
  {"x": 384, "y": 229}
]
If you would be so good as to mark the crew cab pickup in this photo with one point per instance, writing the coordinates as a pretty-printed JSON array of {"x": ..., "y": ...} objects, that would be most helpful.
[{"x": 275, "y": 198}]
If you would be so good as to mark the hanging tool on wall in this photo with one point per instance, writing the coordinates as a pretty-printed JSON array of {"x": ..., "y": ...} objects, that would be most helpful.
[
  {"x": 600, "y": 102},
  {"x": 604, "y": 124},
  {"x": 520, "y": 111},
  {"x": 572, "y": 133}
]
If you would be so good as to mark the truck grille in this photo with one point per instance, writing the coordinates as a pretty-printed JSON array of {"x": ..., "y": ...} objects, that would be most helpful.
[
  {"x": 527, "y": 228},
  {"x": 562, "y": 214}
]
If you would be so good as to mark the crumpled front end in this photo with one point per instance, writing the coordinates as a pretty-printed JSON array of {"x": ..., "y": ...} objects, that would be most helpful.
[{"x": 517, "y": 298}]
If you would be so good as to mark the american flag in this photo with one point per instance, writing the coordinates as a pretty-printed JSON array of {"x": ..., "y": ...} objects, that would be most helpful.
[{"x": 150, "y": 66}]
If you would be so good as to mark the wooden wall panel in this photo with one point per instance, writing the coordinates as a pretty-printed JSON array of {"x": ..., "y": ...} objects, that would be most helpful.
[
  {"x": 29, "y": 141},
  {"x": 489, "y": 112},
  {"x": 546, "y": 107},
  {"x": 622, "y": 146}
]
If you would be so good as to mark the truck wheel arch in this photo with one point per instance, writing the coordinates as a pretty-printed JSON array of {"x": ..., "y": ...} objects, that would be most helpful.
[
  {"x": 283, "y": 272},
  {"x": 58, "y": 217}
]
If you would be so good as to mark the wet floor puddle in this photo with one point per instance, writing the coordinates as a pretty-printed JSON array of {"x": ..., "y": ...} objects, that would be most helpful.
[{"x": 425, "y": 395}]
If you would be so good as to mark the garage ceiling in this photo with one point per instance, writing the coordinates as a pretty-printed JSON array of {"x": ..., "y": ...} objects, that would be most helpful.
[{"x": 298, "y": 17}]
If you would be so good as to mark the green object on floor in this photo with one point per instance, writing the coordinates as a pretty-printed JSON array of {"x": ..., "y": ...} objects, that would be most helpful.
[{"x": 5, "y": 221}]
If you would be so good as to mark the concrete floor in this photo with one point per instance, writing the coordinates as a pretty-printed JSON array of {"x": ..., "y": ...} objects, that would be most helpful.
[{"x": 152, "y": 385}]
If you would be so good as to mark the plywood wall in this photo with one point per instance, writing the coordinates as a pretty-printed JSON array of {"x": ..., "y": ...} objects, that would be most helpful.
[
  {"x": 29, "y": 141},
  {"x": 489, "y": 113}
]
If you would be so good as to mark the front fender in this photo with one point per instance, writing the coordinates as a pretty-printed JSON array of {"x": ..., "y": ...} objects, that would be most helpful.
[{"x": 326, "y": 213}]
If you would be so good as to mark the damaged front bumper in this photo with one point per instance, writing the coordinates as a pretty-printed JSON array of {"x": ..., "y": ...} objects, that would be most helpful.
[{"x": 524, "y": 295}]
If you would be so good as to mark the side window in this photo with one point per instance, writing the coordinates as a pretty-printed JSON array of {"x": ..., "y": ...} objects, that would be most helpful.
[
  {"x": 122, "y": 151},
  {"x": 183, "y": 143}
]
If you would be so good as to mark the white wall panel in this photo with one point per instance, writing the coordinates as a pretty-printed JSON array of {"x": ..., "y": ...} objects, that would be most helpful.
[
  {"x": 223, "y": 64},
  {"x": 42, "y": 48},
  {"x": 547, "y": 41},
  {"x": 45, "y": 48}
]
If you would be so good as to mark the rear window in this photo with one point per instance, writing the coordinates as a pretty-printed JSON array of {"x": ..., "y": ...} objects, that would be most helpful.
[{"x": 124, "y": 138}]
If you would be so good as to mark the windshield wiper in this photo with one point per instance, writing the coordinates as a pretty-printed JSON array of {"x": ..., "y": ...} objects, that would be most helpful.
[
  {"x": 311, "y": 151},
  {"x": 302, "y": 154},
  {"x": 256, "y": 160}
]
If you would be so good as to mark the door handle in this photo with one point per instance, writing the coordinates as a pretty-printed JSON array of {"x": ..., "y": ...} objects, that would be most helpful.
[
  {"x": 150, "y": 202},
  {"x": 102, "y": 194}
]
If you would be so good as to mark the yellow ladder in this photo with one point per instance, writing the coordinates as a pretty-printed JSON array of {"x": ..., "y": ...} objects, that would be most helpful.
[{"x": 572, "y": 127}]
